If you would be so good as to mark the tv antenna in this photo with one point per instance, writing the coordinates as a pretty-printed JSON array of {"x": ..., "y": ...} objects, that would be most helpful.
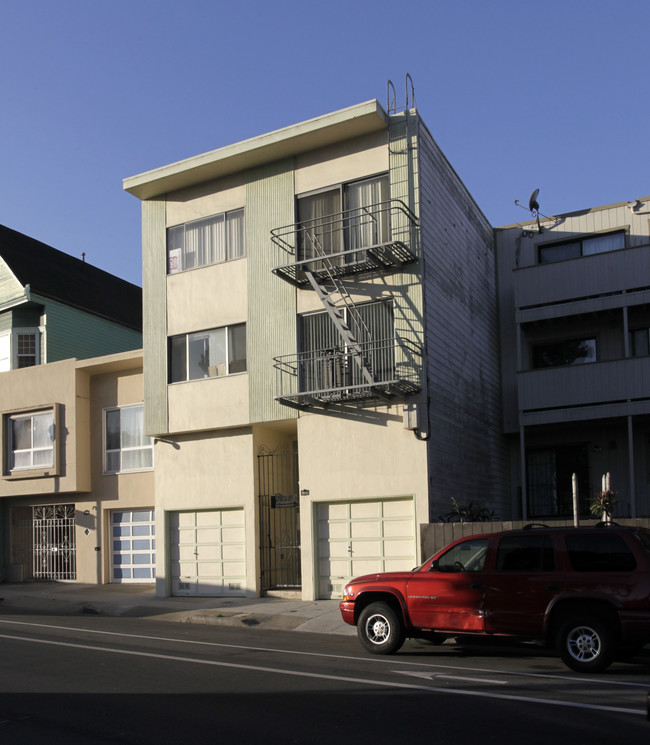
[{"x": 533, "y": 207}]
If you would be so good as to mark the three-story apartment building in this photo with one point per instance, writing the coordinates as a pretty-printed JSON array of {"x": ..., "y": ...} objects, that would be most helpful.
[
  {"x": 321, "y": 370},
  {"x": 574, "y": 297}
]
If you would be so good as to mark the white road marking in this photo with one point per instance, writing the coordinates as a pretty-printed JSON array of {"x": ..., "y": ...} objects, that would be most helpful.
[{"x": 322, "y": 676}]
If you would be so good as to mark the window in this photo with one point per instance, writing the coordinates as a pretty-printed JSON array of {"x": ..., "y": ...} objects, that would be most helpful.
[
  {"x": 567, "y": 352},
  {"x": 204, "y": 242},
  {"x": 326, "y": 361},
  {"x": 577, "y": 247},
  {"x": 640, "y": 342},
  {"x": 531, "y": 553},
  {"x": 19, "y": 348},
  {"x": 599, "y": 552},
  {"x": 31, "y": 440},
  {"x": 127, "y": 448},
  {"x": 468, "y": 556},
  {"x": 324, "y": 230},
  {"x": 207, "y": 354}
]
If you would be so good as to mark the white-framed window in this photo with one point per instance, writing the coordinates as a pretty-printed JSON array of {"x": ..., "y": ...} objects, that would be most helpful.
[
  {"x": 32, "y": 438},
  {"x": 324, "y": 228},
  {"x": 19, "y": 348},
  {"x": 210, "y": 240},
  {"x": 207, "y": 354},
  {"x": 126, "y": 447}
]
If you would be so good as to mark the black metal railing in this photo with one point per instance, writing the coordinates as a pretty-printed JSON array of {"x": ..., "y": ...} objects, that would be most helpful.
[
  {"x": 378, "y": 237},
  {"x": 339, "y": 374}
]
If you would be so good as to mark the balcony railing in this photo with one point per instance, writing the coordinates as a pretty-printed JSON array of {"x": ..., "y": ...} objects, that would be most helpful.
[
  {"x": 377, "y": 238},
  {"x": 609, "y": 273},
  {"x": 592, "y": 384},
  {"x": 335, "y": 375}
]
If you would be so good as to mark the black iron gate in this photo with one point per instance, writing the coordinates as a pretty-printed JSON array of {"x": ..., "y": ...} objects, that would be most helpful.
[{"x": 279, "y": 515}]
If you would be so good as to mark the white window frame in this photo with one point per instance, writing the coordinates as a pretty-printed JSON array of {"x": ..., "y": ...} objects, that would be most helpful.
[
  {"x": 49, "y": 468},
  {"x": 11, "y": 337},
  {"x": 146, "y": 444},
  {"x": 31, "y": 331},
  {"x": 221, "y": 369},
  {"x": 178, "y": 251}
]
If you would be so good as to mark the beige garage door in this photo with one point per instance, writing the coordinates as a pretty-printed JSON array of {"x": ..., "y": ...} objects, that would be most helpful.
[
  {"x": 208, "y": 553},
  {"x": 357, "y": 538}
]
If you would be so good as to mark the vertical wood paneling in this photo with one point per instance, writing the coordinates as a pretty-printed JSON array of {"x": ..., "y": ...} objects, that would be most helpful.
[
  {"x": 271, "y": 329},
  {"x": 154, "y": 284},
  {"x": 467, "y": 454}
]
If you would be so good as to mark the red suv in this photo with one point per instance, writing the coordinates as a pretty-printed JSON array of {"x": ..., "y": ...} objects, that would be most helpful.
[{"x": 586, "y": 590}]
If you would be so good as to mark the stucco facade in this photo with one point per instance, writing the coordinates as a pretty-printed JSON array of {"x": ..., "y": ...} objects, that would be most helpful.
[
  {"x": 61, "y": 516},
  {"x": 308, "y": 462}
]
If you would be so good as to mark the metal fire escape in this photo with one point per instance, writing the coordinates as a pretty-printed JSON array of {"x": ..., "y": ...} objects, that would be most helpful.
[{"x": 359, "y": 367}]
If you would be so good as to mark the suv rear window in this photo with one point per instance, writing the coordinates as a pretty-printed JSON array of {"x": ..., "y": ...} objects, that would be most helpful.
[
  {"x": 599, "y": 552},
  {"x": 527, "y": 553}
]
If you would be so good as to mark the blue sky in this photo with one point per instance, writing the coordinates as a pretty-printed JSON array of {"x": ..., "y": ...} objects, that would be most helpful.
[{"x": 550, "y": 95}]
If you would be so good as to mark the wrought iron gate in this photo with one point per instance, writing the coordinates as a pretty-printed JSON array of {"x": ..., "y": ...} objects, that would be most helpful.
[
  {"x": 279, "y": 515},
  {"x": 54, "y": 547}
]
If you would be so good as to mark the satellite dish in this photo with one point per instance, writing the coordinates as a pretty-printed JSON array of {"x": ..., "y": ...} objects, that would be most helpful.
[{"x": 533, "y": 204}]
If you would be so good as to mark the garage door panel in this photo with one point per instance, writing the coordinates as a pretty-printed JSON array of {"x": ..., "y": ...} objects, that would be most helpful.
[
  {"x": 210, "y": 557},
  {"x": 365, "y": 529},
  {"x": 366, "y": 537},
  {"x": 334, "y": 531},
  {"x": 133, "y": 546},
  {"x": 394, "y": 549},
  {"x": 364, "y": 510},
  {"x": 398, "y": 528}
]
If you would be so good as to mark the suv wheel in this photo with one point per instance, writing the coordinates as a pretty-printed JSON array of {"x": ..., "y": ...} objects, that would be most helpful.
[
  {"x": 586, "y": 645},
  {"x": 379, "y": 629}
]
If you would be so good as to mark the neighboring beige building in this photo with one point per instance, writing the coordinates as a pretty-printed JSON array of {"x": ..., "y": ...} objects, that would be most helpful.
[
  {"x": 574, "y": 293},
  {"x": 77, "y": 472},
  {"x": 320, "y": 354}
]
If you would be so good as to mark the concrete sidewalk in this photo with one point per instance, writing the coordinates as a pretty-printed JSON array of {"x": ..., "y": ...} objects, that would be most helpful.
[{"x": 139, "y": 601}]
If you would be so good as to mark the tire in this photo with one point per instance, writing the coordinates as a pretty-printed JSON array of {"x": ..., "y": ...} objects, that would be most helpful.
[
  {"x": 380, "y": 629},
  {"x": 586, "y": 645}
]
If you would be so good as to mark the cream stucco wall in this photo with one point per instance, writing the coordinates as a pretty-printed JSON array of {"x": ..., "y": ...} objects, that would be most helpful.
[
  {"x": 205, "y": 471},
  {"x": 210, "y": 403},
  {"x": 346, "y": 161},
  {"x": 83, "y": 389},
  {"x": 205, "y": 298},
  {"x": 367, "y": 455}
]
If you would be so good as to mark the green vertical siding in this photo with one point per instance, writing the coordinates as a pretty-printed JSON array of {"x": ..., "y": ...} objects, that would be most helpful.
[
  {"x": 154, "y": 321},
  {"x": 408, "y": 295},
  {"x": 271, "y": 329}
]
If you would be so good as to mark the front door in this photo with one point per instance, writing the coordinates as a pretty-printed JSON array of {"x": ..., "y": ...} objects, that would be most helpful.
[{"x": 450, "y": 596}]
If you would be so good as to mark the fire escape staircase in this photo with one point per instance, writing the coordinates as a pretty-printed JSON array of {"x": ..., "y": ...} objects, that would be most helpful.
[{"x": 324, "y": 273}]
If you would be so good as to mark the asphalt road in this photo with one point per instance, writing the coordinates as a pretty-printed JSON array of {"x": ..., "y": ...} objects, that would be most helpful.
[{"x": 97, "y": 680}]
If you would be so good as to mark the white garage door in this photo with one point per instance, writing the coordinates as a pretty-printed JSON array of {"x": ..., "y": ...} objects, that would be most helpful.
[
  {"x": 133, "y": 555},
  {"x": 357, "y": 538},
  {"x": 208, "y": 555}
]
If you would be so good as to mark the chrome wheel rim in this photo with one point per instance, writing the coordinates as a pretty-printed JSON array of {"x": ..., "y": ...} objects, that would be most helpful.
[
  {"x": 377, "y": 629},
  {"x": 584, "y": 644}
]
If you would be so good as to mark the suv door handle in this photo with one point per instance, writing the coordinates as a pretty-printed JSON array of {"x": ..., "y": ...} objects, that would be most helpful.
[{"x": 476, "y": 586}]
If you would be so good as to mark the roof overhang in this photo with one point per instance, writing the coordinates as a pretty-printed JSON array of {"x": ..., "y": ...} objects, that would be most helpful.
[{"x": 329, "y": 129}]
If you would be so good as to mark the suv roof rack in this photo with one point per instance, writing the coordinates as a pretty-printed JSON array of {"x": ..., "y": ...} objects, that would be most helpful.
[{"x": 532, "y": 526}]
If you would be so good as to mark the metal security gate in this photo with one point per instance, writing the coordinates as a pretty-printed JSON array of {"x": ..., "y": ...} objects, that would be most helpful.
[
  {"x": 279, "y": 515},
  {"x": 54, "y": 546}
]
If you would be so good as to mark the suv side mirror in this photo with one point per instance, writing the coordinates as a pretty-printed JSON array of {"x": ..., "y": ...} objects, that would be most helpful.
[{"x": 435, "y": 566}]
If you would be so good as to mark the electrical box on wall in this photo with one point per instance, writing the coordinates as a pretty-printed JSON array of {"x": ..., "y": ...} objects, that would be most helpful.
[{"x": 411, "y": 416}]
